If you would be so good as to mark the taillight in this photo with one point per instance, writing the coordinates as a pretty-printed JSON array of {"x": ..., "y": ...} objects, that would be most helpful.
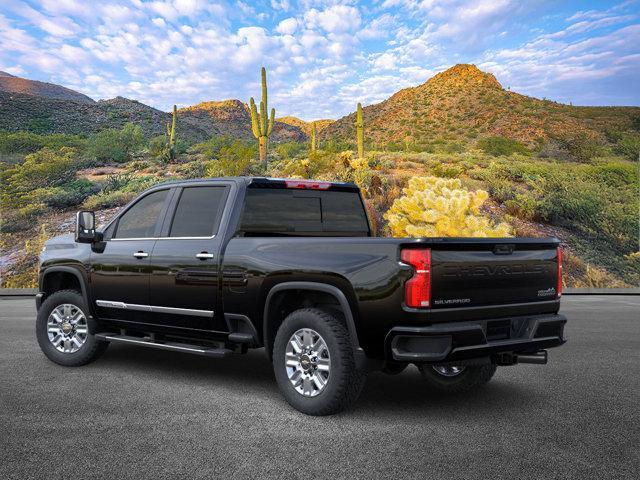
[
  {"x": 417, "y": 290},
  {"x": 307, "y": 184},
  {"x": 559, "y": 285}
]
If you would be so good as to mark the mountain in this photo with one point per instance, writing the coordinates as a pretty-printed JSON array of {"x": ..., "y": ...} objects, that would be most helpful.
[
  {"x": 464, "y": 103},
  {"x": 48, "y": 108},
  {"x": 232, "y": 118},
  {"x": 16, "y": 85},
  {"x": 305, "y": 126}
]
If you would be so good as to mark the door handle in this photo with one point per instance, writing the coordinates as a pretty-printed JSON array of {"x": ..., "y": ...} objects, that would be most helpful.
[
  {"x": 204, "y": 255},
  {"x": 141, "y": 254}
]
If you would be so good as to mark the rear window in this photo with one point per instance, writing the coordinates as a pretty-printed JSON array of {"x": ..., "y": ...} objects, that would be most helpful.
[
  {"x": 198, "y": 212},
  {"x": 292, "y": 211}
]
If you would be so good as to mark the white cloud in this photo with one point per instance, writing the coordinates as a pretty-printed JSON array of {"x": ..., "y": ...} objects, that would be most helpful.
[
  {"x": 287, "y": 26},
  {"x": 335, "y": 19}
]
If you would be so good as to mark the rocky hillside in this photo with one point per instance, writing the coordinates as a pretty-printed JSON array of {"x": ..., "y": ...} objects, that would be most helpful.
[
  {"x": 232, "y": 118},
  {"x": 464, "y": 103},
  {"x": 12, "y": 84},
  {"x": 305, "y": 126},
  {"x": 46, "y": 108}
]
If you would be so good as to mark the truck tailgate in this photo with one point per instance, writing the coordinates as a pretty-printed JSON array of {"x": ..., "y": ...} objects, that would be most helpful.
[{"x": 493, "y": 272}]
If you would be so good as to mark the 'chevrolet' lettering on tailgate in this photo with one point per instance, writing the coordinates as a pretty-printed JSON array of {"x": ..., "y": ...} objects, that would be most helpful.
[{"x": 493, "y": 270}]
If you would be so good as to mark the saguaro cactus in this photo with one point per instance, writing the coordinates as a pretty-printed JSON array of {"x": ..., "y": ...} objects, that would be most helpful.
[
  {"x": 314, "y": 137},
  {"x": 260, "y": 124},
  {"x": 171, "y": 135},
  {"x": 360, "y": 132}
]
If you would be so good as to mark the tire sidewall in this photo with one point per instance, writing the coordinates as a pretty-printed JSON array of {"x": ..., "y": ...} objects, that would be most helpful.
[
  {"x": 86, "y": 351},
  {"x": 338, "y": 364}
]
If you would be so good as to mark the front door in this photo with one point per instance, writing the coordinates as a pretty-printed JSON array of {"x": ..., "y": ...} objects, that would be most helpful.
[
  {"x": 120, "y": 270},
  {"x": 184, "y": 285}
]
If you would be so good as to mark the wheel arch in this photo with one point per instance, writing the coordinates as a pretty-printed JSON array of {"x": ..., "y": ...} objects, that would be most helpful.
[
  {"x": 62, "y": 278},
  {"x": 277, "y": 292}
]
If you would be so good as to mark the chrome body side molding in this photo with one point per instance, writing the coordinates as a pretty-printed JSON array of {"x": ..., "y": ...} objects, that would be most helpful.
[{"x": 154, "y": 308}]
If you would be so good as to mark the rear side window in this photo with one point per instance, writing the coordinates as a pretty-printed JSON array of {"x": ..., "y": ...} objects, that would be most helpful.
[
  {"x": 198, "y": 212},
  {"x": 141, "y": 219},
  {"x": 269, "y": 210}
]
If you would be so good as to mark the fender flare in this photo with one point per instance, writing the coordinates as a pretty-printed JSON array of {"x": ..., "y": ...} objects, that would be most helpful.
[
  {"x": 76, "y": 273},
  {"x": 319, "y": 287}
]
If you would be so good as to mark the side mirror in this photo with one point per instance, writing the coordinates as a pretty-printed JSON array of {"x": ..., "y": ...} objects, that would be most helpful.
[{"x": 85, "y": 227}]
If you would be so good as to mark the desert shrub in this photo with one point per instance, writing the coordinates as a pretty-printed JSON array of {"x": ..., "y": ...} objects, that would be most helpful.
[
  {"x": 498, "y": 146},
  {"x": 523, "y": 206},
  {"x": 581, "y": 146},
  {"x": 289, "y": 150},
  {"x": 29, "y": 265},
  {"x": 231, "y": 159},
  {"x": 116, "y": 145},
  {"x": 108, "y": 199},
  {"x": 438, "y": 207},
  {"x": 195, "y": 169},
  {"x": 28, "y": 142},
  {"x": 320, "y": 164},
  {"x": 66, "y": 195},
  {"x": 447, "y": 170},
  {"x": 629, "y": 146},
  {"x": 158, "y": 145},
  {"x": 45, "y": 168}
]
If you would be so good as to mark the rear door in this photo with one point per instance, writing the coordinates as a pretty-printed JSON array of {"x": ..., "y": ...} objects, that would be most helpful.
[{"x": 185, "y": 275}]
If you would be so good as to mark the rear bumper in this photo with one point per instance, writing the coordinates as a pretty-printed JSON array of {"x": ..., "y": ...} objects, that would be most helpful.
[{"x": 452, "y": 341}]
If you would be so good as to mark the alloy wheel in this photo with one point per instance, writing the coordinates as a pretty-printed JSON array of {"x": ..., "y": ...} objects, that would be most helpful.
[
  {"x": 67, "y": 328},
  {"x": 307, "y": 362}
]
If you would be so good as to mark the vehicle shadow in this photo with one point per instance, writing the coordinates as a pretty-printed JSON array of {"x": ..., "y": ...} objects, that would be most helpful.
[{"x": 252, "y": 374}]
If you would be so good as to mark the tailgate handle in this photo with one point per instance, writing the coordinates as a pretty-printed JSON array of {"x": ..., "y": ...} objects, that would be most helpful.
[{"x": 503, "y": 249}]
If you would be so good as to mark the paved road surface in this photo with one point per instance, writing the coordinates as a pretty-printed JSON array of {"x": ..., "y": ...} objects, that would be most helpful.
[{"x": 141, "y": 413}]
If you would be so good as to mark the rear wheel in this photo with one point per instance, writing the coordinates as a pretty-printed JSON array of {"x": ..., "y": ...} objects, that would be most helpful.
[
  {"x": 457, "y": 378},
  {"x": 314, "y": 364},
  {"x": 64, "y": 330}
]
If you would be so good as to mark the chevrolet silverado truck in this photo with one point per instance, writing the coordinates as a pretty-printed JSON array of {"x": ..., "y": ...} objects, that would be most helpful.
[{"x": 216, "y": 267}]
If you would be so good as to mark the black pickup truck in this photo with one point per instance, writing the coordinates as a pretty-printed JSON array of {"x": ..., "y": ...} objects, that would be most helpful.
[{"x": 218, "y": 266}]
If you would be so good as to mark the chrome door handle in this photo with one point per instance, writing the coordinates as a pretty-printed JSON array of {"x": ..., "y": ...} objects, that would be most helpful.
[
  {"x": 204, "y": 255},
  {"x": 141, "y": 254}
]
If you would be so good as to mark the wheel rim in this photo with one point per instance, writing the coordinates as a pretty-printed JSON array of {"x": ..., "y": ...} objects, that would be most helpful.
[
  {"x": 307, "y": 362},
  {"x": 448, "y": 371},
  {"x": 67, "y": 328}
]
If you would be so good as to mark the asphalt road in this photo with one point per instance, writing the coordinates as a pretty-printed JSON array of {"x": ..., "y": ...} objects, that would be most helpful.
[{"x": 142, "y": 413}]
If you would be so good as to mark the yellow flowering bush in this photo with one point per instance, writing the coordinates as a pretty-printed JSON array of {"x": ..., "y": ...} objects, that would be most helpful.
[{"x": 441, "y": 207}]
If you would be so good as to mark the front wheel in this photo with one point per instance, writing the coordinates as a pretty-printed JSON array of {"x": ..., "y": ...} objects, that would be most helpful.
[
  {"x": 456, "y": 379},
  {"x": 64, "y": 330},
  {"x": 314, "y": 363}
]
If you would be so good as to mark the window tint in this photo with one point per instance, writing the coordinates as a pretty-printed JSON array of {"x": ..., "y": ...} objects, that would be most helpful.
[
  {"x": 141, "y": 219},
  {"x": 284, "y": 210},
  {"x": 198, "y": 212}
]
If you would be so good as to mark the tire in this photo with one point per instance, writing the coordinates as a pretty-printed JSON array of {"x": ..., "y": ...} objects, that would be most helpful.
[
  {"x": 470, "y": 378},
  {"x": 343, "y": 381},
  {"x": 74, "y": 355}
]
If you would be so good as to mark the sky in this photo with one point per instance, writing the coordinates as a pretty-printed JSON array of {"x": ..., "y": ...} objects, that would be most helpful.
[{"x": 322, "y": 57}]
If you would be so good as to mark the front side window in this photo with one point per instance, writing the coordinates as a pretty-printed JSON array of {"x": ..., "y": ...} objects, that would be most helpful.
[
  {"x": 198, "y": 212},
  {"x": 141, "y": 219}
]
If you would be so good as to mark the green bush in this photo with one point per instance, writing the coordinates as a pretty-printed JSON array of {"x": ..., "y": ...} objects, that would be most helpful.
[
  {"x": 629, "y": 146},
  {"x": 498, "y": 146},
  {"x": 28, "y": 142},
  {"x": 108, "y": 200},
  {"x": 289, "y": 150},
  {"x": 582, "y": 146},
  {"x": 116, "y": 145}
]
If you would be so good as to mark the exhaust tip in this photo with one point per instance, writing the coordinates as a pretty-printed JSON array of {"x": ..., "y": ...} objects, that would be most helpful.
[{"x": 538, "y": 358}]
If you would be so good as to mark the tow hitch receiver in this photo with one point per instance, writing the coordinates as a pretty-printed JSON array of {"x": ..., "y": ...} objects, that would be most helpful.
[{"x": 505, "y": 359}]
